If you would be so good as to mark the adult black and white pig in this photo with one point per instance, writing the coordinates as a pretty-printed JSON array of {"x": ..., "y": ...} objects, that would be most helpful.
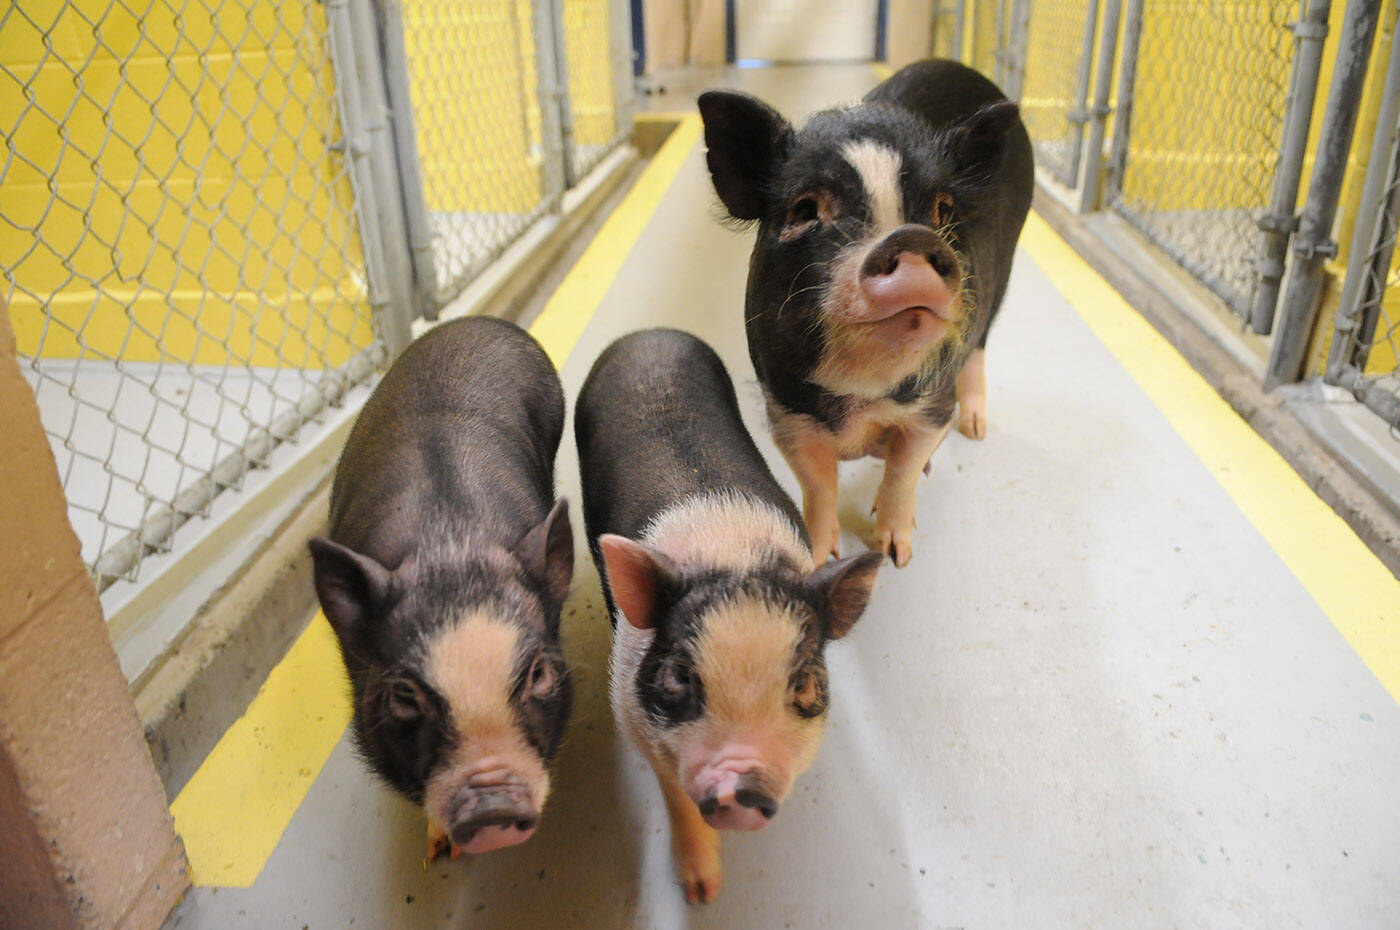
[
  {"x": 446, "y": 567},
  {"x": 885, "y": 236},
  {"x": 717, "y": 668}
]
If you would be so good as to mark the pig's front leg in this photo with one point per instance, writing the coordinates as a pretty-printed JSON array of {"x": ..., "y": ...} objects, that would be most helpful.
[
  {"x": 907, "y": 451},
  {"x": 972, "y": 396},
  {"x": 811, "y": 453},
  {"x": 696, "y": 844}
]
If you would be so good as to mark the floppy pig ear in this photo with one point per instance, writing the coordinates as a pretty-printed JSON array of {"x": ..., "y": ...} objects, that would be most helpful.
[
  {"x": 846, "y": 585},
  {"x": 547, "y": 552},
  {"x": 637, "y": 576},
  {"x": 351, "y": 587},
  {"x": 744, "y": 140},
  {"x": 980, "y": 139}
]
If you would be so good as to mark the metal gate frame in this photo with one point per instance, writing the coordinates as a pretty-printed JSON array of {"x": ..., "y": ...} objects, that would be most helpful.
[
  {"x": 1368, "y": 267},
  {"x": 368, "y": 43}
]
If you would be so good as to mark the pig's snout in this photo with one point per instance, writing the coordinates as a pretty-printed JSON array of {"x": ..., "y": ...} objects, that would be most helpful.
[
  {"x": 492, "y": 818},
  {"x": 737, "y": 802},
  {"x": 909, "y": 270}
]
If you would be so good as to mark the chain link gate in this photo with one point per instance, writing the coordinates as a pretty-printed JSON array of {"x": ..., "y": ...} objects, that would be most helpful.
[
  {"x": 1365, "y": 352},
  {"x": 1198, "y": 195},
  {"x": 181, "y": 257},
  {"x": 216, "y": 219}
]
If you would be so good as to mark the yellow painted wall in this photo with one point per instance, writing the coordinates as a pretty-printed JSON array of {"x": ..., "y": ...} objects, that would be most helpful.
[
  {"x": 588, "y": 50},
  {"x": 170, "y": 196},
  {"x": 1055, "y": 36},
  {"x": 473, "y": 81},
  {"x": 1208, "y": 99},
  {"x": 1383, "y": 357}
]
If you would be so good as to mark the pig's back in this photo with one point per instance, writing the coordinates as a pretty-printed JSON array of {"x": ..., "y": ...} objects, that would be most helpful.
[
  {"x": 658, "y": 422},
  {"x": 459, "y": 437}
]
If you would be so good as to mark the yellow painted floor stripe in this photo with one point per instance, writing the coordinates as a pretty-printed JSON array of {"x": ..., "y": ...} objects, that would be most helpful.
[
  {"x": 1353, "y": 588},
  {"x": 235, "y": 808},
  {"x": 563, "y": 319}
]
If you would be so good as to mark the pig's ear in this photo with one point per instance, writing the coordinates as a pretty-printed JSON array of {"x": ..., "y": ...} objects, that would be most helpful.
[
  {"x": 547, "y": 552},
  {"x": 980, "y": 140},
  {"x": 352, "y": 588},
  {"x": 846, "y": 587},
  {"x": 637, "y": 577},
  {"x": 745, "y": 139}
]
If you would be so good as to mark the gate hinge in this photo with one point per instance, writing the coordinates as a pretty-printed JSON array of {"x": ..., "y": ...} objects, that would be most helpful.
[
  {"x": 1308, "y": 250},
  {"x": 1281, "y": 223},
  {"x": 1305, "y": 29}
]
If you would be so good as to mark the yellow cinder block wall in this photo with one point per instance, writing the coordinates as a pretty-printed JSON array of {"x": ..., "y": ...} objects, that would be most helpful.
[{"x": 169, "y": 198}]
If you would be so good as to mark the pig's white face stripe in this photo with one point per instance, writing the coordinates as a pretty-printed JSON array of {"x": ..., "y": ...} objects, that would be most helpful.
[
  {"x": 879, "y": 167},
  {"x": 729, "y": 532},
  {"x": 471, "y": 665}
]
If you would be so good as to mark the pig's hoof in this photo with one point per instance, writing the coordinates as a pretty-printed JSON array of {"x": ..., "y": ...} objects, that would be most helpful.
[
  {"x": 701, "y": 868},
  {"x": 972, "y": 418},
  {"x": 438, "y": 842},
  {"x": 898, "y": 544}
]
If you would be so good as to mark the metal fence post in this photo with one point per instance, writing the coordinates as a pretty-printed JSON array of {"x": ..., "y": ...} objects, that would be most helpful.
[
  {"x": 1079, "y": 115},
  {"x": 1127, "y": 78},
  {"x": 415, "y": 205},
  {"x": 1092, "y": 180},
  {"x": 1280, "y": 220},
  {"x": 364, "y": 110},
  {"x": 553, "y": 102},
  {"x": 1313, "y": 242},
  {"x": 1373, "y": 239},
  {"x": 563, "y": 102},
  {"x": 620, "y": 27}
]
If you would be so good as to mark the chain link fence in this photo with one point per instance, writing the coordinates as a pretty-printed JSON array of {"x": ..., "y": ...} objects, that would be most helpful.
[
  {"x": 1208, "y": 97},
  {"x": 474, "y": 90},
  {"x": 181, "y": 259},
  {"x": 201, "y": 205},
  {"x": 1058, "y": 55},
  {"x": 1365, "y": 351},
  {"x": 596, "y": 124}
]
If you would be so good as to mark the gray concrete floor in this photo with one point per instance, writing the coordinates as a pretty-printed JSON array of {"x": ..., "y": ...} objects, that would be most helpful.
[{"x": 1097, "y": 698}]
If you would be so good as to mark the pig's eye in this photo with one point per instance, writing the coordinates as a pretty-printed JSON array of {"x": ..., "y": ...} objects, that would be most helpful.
[
  {"x": 804, "y": 213},
  {"x": 405, "y": 701},
  {"x": 676, "y": 681},
  {"x": 942, "y": 209},
  {"x": 807, "y": 693},
  {"x": 539, "y": 681}
]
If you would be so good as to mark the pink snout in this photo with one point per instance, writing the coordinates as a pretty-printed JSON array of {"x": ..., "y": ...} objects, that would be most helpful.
[
  {"x": 911, "y": 285},
  {"x": 492, "y": 818},
  {"x": 732, "y": 799}
]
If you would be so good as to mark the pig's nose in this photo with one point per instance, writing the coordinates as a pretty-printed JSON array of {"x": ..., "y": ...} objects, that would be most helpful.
[
  {"x": 487, "y": 820},
  {"x": 743, "y": 805},
  {"x": 910, "y": 268}
]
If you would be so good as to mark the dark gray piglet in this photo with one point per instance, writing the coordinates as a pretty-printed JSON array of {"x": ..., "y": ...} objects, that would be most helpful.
[{"x": 447, "y": 564}]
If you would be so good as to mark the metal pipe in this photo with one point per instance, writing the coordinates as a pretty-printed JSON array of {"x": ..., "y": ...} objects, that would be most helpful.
[
  {"x": 1127, "y": 79},
  {"x": 1078, "y": 116},
  {"x": 1313, "y": 243},
  {"x": 1365, "y": 262},
  {"x": 1280, "y": 220},
  {"x": 551, "y": 102},
  {"x": 1092, "y": 182},
  {"x": 415, "y": 205},
  {"x": 365, "y": 115},
  {"x": 561, "y": 83}
]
